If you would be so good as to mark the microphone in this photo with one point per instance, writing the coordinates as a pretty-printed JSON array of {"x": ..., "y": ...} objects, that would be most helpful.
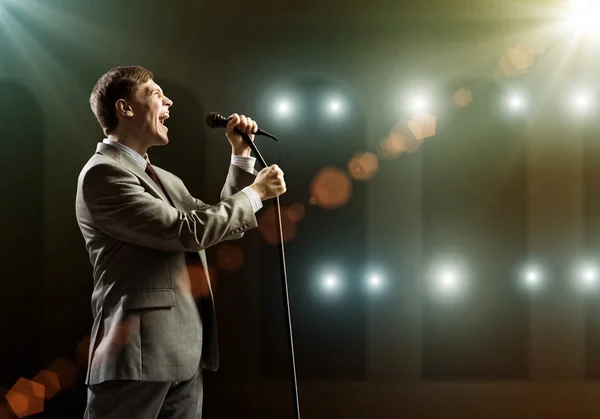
[{"x": 216, "y": 120}]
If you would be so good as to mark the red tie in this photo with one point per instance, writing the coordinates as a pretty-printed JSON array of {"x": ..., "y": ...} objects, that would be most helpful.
[{"x": 150, "y": 171}]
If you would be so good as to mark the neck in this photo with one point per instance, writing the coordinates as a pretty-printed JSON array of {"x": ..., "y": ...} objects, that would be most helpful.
[{"x": 130, "y": 142}]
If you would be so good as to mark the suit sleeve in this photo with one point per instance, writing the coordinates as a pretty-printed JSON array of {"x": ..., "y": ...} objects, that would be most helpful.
[
  {"x": 237, "y": 179},
  {"x": 120, "y": 206}
]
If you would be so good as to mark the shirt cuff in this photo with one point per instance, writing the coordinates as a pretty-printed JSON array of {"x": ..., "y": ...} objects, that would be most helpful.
[
  {"x": 245, "y": 163},
  {"x": 253, "y": 197}
]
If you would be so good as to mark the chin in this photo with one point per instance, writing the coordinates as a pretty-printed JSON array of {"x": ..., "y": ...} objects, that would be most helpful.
[{"x": 162, "y": 140}]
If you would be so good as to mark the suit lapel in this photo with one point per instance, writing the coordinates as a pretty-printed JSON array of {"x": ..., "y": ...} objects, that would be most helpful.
[
  {"x": 132, "y": 166},
  {"x": 169, "y": 188}
]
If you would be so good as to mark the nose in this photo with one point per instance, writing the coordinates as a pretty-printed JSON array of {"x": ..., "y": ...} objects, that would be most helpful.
[{"x": 167, "y": 102}]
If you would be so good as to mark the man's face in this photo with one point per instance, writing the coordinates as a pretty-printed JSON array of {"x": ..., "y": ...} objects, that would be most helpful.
[{"x": 150, "y": 110}]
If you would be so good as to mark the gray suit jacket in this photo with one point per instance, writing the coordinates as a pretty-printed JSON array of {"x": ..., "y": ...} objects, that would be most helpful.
[{"x": 146, "y": 320}]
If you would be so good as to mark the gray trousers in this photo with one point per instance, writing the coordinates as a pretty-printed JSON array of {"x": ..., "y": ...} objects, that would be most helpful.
[{"x": 128, "y": 399}]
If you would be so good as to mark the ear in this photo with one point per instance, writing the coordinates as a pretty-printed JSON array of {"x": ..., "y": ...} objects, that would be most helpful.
[{"x": 123, "y": 108}]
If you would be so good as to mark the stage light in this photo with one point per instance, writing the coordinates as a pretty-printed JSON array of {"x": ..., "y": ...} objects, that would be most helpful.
[
  {"x": 448, "y": 281},
  {"x": 589, "y": 277},
  {"x": 375, "y": 282},
  {"x": 419, "y": 103},
  {"x": 582, "y": 101},
  {"x": 334, "y": 107},
  {"x": 532, "y": 279},
  {"x": 582, "y": 17},
  {"x": 283, "y": 108},
  {"x": 516, "y": 102},
  {"x": 331, "y": 283}
]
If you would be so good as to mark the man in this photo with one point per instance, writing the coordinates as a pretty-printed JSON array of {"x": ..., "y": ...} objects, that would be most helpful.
[{"x": 143, "y": 230}]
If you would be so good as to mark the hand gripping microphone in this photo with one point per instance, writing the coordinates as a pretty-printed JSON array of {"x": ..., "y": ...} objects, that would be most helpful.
[{"x": 215, "y": 120}]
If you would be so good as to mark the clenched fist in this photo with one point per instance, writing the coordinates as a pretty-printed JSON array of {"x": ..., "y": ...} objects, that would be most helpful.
[
  {"x": 269, "y": 183},
  {"x": 246, "y": 125}
]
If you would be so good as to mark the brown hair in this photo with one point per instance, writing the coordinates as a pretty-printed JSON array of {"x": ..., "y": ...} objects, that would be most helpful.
[{"x": 118, "y": 83}]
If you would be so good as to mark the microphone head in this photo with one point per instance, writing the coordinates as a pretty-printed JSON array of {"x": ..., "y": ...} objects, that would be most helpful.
[{"x": 215, "y": 120}]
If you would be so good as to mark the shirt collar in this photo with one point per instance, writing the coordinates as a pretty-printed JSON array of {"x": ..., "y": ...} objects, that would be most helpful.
[{"x": 139, "y": 160}]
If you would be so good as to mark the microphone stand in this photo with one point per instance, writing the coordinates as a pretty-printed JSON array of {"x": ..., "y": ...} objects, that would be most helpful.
[{"x": 284, "y": 283}]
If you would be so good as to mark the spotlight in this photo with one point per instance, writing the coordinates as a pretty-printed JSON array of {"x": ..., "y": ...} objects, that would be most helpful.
[
  {"x": 582, "y": 101},
  {"x": 449, "y": 281},
  {"x": 331, "y": 283},
  {"x": 532, "y": 279},
  {"x": 419, "y": 103},
  {"x": 582, "y": 17},
  {"x": 375, "y": 282},
  {"x": 589, "y": 277},
  {"x": 283, "y": 108},
  {"x": 334, "y": 107},
  {"x": 516, "y": 102}
]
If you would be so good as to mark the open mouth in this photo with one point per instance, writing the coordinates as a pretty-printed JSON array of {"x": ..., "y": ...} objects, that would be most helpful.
[{"x": 162, "y": 118}]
